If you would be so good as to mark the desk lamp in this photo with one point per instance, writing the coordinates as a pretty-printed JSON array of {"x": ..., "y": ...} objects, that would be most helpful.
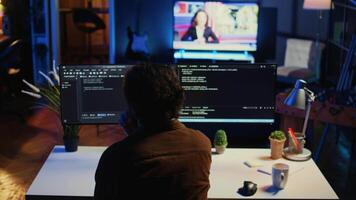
[{"x": 300, "y": 97}]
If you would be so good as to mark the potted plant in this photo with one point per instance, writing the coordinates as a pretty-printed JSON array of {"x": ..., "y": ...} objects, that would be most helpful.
[
  {"x": 71, "y": 137},
  {"x": 220, "y": 141},
  {"x": 277, "y": 140},
  {"x": 49, "y": 97}
]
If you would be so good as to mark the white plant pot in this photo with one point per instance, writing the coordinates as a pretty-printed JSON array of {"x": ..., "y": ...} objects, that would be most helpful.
[{"x": 220, "y": 149}]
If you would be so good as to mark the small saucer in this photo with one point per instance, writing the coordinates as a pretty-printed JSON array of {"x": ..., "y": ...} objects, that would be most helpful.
[{"x": 305, "y": 155}]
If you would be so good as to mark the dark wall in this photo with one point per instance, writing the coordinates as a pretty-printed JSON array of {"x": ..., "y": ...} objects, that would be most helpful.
[
  {"x": 18, "y": 27},
  {"x": 294, "y": 21},
  {"x": 17, "y": 14},
  {"x": 284, "y": 10},
  {"x": 155, "y": 17},
  {"x": 310, "y": 23}
]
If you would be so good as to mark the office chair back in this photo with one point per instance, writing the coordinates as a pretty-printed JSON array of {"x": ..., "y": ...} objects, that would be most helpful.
[
  {"x": 87, "y": 21},
  {"x": 302, "y": 61}
]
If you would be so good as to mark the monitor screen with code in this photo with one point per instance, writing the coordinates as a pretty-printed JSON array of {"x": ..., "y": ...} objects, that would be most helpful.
[
  {"x": 217, "y": 93},
  {"x": 92, "y": 94}
]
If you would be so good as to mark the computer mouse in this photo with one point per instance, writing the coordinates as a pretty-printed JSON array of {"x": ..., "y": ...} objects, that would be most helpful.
[{"x": 248, "y": 189}]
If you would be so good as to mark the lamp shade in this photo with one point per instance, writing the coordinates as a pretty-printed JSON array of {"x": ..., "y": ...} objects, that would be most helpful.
[
  {"x": 297, "y": 97},
  {"x": 317, "y": 4}
]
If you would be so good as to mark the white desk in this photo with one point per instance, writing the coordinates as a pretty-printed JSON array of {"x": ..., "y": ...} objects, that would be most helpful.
[
  {"x": 228, "y": 172},
  {"x": 72, "y": 175}
]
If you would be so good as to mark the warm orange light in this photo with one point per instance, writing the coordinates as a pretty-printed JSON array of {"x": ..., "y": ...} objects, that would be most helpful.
[{"x": 317, "y": 4}]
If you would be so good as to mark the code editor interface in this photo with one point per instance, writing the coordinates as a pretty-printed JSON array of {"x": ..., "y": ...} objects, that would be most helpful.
[
  {"x": 92, "y": 94},
  {"x": 228, "y": 93}
]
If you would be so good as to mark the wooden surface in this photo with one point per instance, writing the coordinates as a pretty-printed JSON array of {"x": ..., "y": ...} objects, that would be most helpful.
[{"x": 25, "y": 147}]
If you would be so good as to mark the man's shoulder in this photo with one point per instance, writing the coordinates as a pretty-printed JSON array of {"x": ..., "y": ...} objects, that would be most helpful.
[
  {"x": 195, "y": 132},
  {"x": 197, "y": 136},
  {"x": 115, "y": 152},
  {"x": 112, "y": 149},
  {"x": 118, "y": 147}
]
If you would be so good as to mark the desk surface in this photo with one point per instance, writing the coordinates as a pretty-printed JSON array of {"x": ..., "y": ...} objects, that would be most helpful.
[
  {"x": 228, "y": 172},
  {"x": 72, "y": 174}
]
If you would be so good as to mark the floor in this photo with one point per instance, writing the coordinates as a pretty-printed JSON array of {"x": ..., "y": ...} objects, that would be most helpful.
[{"x": 24, "y": 147}]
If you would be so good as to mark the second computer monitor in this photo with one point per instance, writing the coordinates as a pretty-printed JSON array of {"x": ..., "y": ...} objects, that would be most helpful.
[
  {"x": 92, "y": 94},
  {"x": 233, "y": 93}
]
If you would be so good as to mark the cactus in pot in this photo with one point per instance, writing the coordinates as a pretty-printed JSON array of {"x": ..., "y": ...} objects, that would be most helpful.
[
  {"x": 220, "y": 141},
  {"x": 277, "y": 140}
]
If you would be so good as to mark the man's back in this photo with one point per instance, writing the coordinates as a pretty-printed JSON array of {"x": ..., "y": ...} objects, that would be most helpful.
[{"x": 173, "y": 164}]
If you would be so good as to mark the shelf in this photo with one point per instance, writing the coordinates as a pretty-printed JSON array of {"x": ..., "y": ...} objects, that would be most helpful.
[
  {"x": 341, "y": 46},
  {"x": 332, "y": 80},
  {"x": 341, "y": 29},
  {"x": 345, "y": 6}
]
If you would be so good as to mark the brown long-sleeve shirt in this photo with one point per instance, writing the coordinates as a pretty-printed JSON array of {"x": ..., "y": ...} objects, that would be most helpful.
[{"x": 173, "y": 164}]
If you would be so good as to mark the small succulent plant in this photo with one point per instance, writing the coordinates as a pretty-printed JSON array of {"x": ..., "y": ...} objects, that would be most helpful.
[
  {"x": 278, "y": 135},
  {"x": 220, "y": 138}
]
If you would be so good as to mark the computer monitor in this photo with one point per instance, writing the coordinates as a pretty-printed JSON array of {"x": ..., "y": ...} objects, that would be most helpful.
[
  {"x": 92, "y": 94},
  {"x": 230, "y": 93}
]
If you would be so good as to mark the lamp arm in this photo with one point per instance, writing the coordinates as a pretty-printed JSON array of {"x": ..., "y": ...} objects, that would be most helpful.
[
  {"x": 310, "y": 94},
  {"x": 311, "y": 98},
  {"x": 307, "y": 113}
]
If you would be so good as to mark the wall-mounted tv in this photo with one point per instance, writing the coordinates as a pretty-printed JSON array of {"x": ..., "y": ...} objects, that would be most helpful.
[{"x": 219, "y": 26}]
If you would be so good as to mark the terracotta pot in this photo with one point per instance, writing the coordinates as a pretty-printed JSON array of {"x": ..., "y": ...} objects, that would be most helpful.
[
  {"x": 220, "y": 149},
  {"x": 277, "y": 147},
  {"x": 71, "y": 143}
]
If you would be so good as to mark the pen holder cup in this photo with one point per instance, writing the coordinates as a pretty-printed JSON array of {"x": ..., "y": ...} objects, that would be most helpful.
[{"x": 298, "y": 146}]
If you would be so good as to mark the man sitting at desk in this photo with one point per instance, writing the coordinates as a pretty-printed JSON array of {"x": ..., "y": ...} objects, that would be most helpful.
[{"x": 161, "y": 158}]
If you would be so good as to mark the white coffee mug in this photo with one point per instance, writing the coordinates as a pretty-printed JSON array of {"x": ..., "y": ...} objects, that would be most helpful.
[{"x": 280, "y": 175}]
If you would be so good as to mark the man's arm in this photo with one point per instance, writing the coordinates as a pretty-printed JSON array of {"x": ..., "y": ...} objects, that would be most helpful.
[
  {"x": 107, "y": 175},
  {"x": 102, "y": 184},
  {"x": 111, "y": 173}
]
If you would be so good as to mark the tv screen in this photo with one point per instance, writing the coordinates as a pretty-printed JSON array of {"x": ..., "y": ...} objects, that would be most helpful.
[{"x": 219, "y": 26}]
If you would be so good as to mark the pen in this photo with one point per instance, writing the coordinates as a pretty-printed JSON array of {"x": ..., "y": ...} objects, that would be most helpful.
[
  {"x": 264, "y": 172},
  {"x": 292, "y": 173}
]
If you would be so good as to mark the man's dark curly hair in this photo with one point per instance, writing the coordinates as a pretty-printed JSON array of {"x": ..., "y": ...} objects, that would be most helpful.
[{"x": 154, "y": 92}]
